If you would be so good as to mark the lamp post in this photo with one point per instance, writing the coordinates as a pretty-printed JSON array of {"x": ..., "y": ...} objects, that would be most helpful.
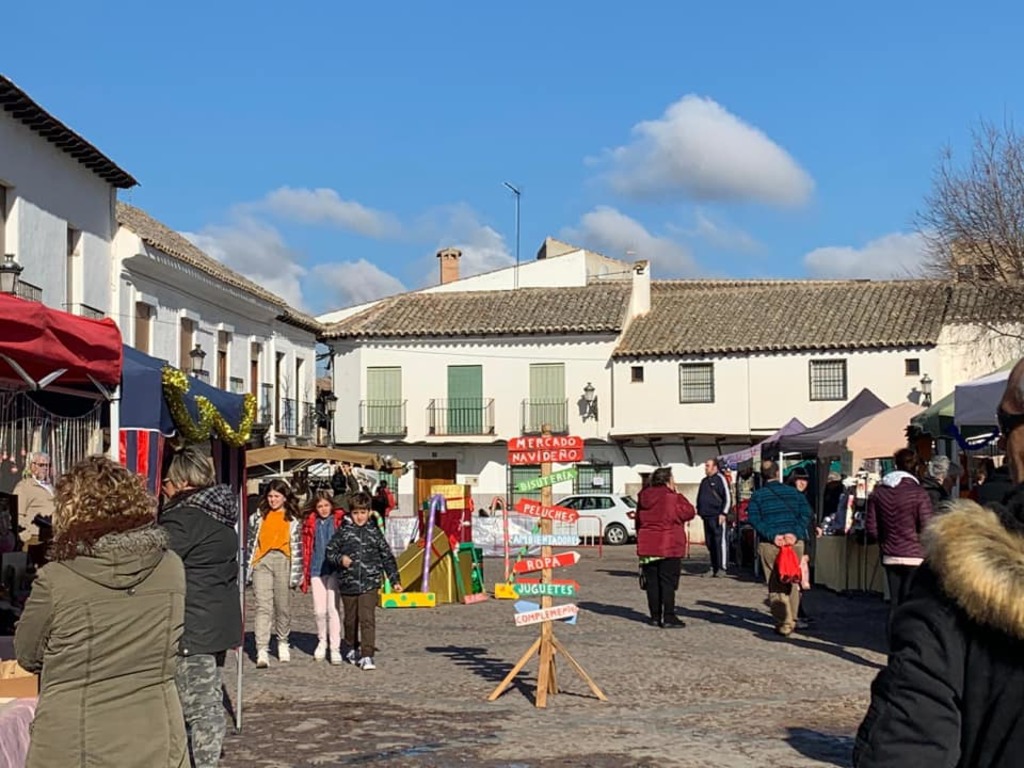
[
  {"x": 197, "y": 356},
  {"x": 10, "y": 270},
  {"x": 926, "y": 391},
  {"x": 590, "y": 398},
  {"x": 330, "y": 407},
  {"x": 515, "y": 191}
]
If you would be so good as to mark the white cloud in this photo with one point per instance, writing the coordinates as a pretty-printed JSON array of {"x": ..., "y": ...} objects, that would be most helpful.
[
  {"x": 458, "y": 226},
  {"x": 896, "y": 255},
  {"x": 349, "y": 283},
  {"x": 257, "y": 251},
  {"x": 721, "y": 235},
  {"x": 325, "y": 206},
  {"x": 699, "y": 150},
  {"x": 613, "y": 233}
]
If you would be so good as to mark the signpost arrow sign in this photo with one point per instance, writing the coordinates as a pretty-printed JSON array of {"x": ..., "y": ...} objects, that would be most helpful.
[
  {"x": 556, "y": 513},
  {"x": 546, "y": 614},
  {"x": 562, "y": 560},
  {"x": 551, "y": 590},
  {"x": 539, "y": 482},
  {"x": 557, "y": 449},
  {"x": 544, "y": 540}
]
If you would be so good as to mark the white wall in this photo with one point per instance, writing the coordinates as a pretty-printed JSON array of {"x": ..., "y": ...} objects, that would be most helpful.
[
  {"x": 176, "y": 291},
  {"x": 968, "y": 352},
  {"x": 506, "y": 379},
  {"x": 48, "y": 192},
  {"x": 756, "y": 394}
]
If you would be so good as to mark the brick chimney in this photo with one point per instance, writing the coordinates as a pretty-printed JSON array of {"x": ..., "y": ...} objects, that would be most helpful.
[{"x": 449, "y": 259}]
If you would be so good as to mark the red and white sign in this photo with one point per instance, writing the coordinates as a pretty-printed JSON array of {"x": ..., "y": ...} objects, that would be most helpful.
[
  {"x": 533, "y": 508},
  {"x": 561, "y": 560},
  {"x": 546, "y": 614},
  {"x": 558, "y": 449}
]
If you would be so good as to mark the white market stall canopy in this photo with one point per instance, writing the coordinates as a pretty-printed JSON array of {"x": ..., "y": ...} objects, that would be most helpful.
[{"x": 975, "y": 403}]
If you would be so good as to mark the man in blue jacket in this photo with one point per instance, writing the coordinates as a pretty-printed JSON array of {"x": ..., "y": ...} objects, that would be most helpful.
[
  {"x": 781, "y": 515},
  {"x": 713, "y": 506}
]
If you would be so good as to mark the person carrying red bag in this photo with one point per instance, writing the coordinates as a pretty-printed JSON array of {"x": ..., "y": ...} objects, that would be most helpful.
[{"x": 781, "y": 516}]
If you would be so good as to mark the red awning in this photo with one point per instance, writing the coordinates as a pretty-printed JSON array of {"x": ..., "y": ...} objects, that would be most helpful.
[{"x": 41, "y": 341}]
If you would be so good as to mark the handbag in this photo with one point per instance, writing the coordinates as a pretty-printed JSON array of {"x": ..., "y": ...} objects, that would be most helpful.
[{"x": 787, "y": 565}]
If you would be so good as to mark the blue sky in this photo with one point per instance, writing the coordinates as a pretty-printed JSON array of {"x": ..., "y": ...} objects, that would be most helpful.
[{"x": 328, "y": 149}]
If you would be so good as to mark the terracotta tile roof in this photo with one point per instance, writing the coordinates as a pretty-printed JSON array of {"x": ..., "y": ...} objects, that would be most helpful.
[
  {"x": 25, "y": 110},
  {"x": 526, "y": 311},
  {"x": 176, "y": 245},
  {"x": 695, "y": 317}
]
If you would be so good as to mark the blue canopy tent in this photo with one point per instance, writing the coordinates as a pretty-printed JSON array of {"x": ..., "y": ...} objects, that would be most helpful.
[{"x": 159, "y": 401}]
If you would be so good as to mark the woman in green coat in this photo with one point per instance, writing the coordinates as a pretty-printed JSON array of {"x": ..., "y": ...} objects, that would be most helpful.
[{"x": 102, "y": 625}]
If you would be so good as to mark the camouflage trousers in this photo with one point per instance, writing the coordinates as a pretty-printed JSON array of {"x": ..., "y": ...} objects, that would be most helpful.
[{"x": 199, "y": 687}]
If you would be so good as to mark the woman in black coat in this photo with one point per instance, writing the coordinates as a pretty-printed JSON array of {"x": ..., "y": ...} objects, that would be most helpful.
[
  {"x": 953, "y": 693},
  {"x": 200, "y": 519}
]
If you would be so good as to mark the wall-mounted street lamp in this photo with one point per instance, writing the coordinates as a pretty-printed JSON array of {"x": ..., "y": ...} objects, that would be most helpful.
[
  {"x": 330, "y": 408},
  {"x": 590, "y": 399},
  {"x": 926, "y": 391},
  {"x": 197, "y": 356},
  {"x": 10, "y": 270}
]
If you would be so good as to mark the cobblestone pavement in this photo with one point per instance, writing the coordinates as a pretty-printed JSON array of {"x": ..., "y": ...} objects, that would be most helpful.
[{"x": 723, "y": 691}]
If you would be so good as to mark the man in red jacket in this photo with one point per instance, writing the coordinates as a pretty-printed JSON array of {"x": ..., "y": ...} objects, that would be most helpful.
[
  {"x": 897, "y": 513},
  {"x": 660, "y": 543}
]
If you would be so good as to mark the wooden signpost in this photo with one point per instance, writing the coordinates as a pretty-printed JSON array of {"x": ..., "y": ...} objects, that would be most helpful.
[{"x": 547, "y": 645}]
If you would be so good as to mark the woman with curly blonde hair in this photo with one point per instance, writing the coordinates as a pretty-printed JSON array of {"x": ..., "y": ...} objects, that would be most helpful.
[
  {"x": 102, "y": 624},
  {"x": 274, "y": 567}
]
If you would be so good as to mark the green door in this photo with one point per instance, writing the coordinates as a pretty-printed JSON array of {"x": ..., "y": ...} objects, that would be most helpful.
[
  {"x": 547, "y": 403},
  {"x": 384, "y": 401},
  {"x": 465, "y": 400}
]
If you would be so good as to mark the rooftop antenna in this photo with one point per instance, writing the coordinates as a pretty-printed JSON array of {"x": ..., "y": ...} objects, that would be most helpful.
[{"x": 515, "y": 191}]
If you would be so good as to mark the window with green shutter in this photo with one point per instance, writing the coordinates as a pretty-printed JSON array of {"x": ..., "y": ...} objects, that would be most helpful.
[
  {"x": 465, "y": 399},
  {"x": 547, "y": 403},
  {"x": 384, "y": 405}
]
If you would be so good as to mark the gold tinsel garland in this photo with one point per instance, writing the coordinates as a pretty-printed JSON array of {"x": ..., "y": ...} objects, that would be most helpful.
[{"x": 176, "y": 386}]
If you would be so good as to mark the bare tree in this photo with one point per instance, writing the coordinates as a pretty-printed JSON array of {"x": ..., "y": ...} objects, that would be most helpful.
[{"x": 973, "y": 220}]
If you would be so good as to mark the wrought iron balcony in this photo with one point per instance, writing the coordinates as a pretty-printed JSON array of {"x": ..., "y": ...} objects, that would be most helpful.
[
  {"x": 288, "y": 417},
  {"x": 266, "y": 402},
  {"x": 307, "y": 423},
  {"x": 461, "y": 416},
  {"x": 540, "y": 411},
  {"x": 382, "y": 418}
]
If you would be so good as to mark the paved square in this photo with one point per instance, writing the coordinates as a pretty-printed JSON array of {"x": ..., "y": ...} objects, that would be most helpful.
[{"x": 723, "y": 691}]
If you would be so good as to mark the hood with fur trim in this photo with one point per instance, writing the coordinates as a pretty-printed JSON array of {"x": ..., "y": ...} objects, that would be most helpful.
[
  {"x": 124, "y": 559},
  {"x": 980, "y": 564}
]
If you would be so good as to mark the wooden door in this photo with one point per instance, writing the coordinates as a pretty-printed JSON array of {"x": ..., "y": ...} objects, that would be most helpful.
[{"x": 431, "y": 472}]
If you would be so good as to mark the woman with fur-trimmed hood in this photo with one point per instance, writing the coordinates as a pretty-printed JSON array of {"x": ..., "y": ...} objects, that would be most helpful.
[
  {"x": 102, "y": 625},
  {"x": 953, "y": 692}
]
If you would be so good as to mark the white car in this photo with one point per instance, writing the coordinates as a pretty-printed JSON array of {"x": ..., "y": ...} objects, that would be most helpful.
[{"x": 617, "y": 513}]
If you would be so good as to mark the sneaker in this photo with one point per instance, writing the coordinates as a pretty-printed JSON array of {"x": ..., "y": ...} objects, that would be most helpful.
[
  {"x": 284, "y": 653},
  {"x": 803, "y": 623},
  {"x": 673, "y": 621},
  {"x": 336, "y": 658},
  {"x": 262, "y": 659},
  {"x": 352, "y": 657},
  {"x": 321, "y": 651},
  {"x": 366, "y": 663}
]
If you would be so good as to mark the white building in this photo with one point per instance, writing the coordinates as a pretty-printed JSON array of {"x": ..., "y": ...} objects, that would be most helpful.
[
  {"x": 675, "y": 371},
  {"x": 57, "y": 197},
  {"x": 172, "y": 299}
]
